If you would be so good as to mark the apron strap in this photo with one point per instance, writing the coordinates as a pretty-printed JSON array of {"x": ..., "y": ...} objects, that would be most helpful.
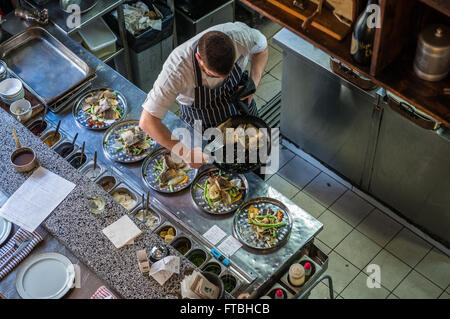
[{"x": 198, "y": 72}]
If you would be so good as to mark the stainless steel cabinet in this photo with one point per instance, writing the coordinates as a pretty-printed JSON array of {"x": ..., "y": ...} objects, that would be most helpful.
[
  {"x": 411, "y": 171},
  {"x": 328, "y": 117}
]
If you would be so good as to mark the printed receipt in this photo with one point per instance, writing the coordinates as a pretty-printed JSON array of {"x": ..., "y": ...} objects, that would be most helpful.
[
  {"x": 214, "y": 235},
  {"x": 32, "y": 202},
  {"x": 229, "y": 246}
]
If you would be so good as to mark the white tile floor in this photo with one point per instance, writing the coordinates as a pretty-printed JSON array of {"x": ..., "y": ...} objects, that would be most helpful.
[{"x": 355, "y": 233}]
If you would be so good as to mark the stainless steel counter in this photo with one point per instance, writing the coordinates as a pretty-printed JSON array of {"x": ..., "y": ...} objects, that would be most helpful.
[{"x": 256, "y": 268}]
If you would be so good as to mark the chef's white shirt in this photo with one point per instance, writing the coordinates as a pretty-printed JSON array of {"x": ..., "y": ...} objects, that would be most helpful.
[{"x": 177, "y": 79}]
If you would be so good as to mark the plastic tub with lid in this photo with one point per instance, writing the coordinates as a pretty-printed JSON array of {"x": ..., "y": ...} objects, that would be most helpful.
[{"x": 99, "y": 38}]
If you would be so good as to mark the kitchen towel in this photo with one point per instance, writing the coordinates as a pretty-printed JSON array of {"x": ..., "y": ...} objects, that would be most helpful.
[
  {"x": 10, "y": 247},
  {"x": 122, "y": 232},
  {"x": 103, "y": 293}
]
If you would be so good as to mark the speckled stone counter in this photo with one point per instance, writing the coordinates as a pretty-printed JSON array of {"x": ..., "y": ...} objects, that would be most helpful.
[{"x": 78, "y": 229}]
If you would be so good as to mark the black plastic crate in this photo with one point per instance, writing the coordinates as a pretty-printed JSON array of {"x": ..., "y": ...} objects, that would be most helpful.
[{"x": 149, "y": 37}]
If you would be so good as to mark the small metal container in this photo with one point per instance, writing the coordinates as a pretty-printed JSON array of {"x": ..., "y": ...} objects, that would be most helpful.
[
  {"x": 122, "y": 188},
  {"x": 38, "y": 127},
  {"x": 182, "y": 245},
  {"x": 89, "y": 171},
  {"x": 29, "y": 165},
  {"x": 158, "y": 252},
  {"x": 432, "y": 61},
  {"x": 107, "y": 182}
]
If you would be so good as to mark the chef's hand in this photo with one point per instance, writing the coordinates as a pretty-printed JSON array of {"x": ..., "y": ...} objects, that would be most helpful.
[{"x": 195, "y": 158}]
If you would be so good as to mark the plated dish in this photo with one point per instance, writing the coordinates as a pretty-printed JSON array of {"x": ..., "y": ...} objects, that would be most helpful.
[
  {"x": 262, "y": 223},
  {"x": 216, "y": 192},
  {"x": 125, "y": 142},
  {"x": 100, "y": 108},
  {"x": 166, "y": 174}
]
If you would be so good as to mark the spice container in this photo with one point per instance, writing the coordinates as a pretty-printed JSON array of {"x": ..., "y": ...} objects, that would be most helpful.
[
  {"x": 76, "y": 160},
  {"x": 197, "y": 257},
  {"x": 38, "y": 127},
  {"x": 51, "y": 138},
  {"x": 65, "y": 149},
  {"x": 213, "y": 267},
  {"x": 182, "y": 244}
]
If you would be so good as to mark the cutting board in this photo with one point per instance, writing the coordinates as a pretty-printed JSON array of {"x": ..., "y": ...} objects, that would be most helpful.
[{"x": 325, "y": 22}]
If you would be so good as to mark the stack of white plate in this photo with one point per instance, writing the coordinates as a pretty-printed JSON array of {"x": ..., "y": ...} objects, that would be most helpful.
[{"x": 11, "y": 90}]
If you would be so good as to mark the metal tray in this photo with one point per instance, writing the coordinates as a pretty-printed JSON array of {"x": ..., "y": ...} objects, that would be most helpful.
[
  {"x": 198, "y": 194},
  {"x": 79, "y": 114},
  {"x": 110, "y": 144},
  {"x": 149, "y": 177},
  {"x": 242, "y": 230},
  {"x": 57, "y": 64}
]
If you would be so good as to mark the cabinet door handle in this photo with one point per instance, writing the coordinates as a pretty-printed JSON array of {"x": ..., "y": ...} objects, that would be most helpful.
[
  {"x": 410, "y": 114},
  {"x": 351, "y": 76}
]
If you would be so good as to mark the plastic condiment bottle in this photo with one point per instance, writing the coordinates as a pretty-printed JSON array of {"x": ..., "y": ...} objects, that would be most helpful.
[
  {"x": 279, "y": 294},
  {"x": 296, "y": 275},
  {"x": 308, "y": 269}
]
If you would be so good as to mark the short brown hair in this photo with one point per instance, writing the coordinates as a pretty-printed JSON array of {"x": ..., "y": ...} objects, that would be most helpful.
[{"x": 217, "y": 50}]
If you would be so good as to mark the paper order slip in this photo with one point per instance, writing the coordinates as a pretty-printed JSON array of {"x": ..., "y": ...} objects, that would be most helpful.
[{"x": 41, "y": 193}]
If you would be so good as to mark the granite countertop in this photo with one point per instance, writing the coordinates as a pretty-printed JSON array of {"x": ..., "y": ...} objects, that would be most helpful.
[{"x": 117, "y": 267}]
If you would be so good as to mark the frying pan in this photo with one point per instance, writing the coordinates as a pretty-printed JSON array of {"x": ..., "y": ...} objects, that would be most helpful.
[{"x": 246, "y": 166}]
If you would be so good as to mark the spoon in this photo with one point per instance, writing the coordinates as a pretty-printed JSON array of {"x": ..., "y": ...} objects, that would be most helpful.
[
  {"x": 57, "y": 129},
  {"x": 82, "y": 152},
  {"x": 15, "y": 138},
  {"x": 95, "y": 161},
  {"x": 147, "y": 203},
  {"x": 74, "y": 140}
]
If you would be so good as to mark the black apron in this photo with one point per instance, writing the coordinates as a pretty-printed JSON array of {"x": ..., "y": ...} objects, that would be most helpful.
[{"x": 214, "y": 106}]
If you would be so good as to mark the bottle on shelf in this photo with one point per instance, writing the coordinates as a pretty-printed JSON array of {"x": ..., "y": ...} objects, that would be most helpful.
[{"x": 363, "y": 36}]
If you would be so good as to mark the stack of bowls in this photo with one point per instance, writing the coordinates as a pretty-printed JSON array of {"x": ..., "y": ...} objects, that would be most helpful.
[{"x": 11, "y": 90}]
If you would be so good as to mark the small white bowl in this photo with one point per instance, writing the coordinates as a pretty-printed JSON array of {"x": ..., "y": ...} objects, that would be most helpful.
[
  {"x": 21, "y": 109},
  {"x": 10, "y": 88}
]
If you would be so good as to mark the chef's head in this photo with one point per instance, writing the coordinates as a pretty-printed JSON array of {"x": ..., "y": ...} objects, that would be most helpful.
[{"x": 216, "y": 54}]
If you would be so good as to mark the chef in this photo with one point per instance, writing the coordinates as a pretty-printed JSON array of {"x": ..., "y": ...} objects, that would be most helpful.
[{"x": 201, "y": 75}]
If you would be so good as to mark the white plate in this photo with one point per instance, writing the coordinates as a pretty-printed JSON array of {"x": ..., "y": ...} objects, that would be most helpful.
[
  {"x": 5, "y": 229},
  {"x": 45, "y": 276}
]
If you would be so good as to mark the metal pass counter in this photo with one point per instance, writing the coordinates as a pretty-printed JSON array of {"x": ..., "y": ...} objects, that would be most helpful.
[{"x": 255, "y": 272}]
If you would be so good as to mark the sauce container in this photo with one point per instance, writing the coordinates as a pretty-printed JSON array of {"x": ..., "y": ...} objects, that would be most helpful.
[
  {"x": 38, "y": 127},
  {"x": 24, "y": 159},
  {"x": 296, "y": 275}
]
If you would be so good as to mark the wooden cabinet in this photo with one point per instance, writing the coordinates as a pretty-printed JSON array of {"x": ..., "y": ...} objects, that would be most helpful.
[{"x": 394, "y": 49}]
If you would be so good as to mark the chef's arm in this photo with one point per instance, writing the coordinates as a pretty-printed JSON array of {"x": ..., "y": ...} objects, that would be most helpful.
[
  {"x": 258, "y": 64},
  {"x": 154, "y": 127}
]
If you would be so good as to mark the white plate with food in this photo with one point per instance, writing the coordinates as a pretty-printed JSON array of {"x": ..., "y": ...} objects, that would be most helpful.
[
  {"x": 5, "y": 229},
  {"x": 100, "y": 108},
  {"x": 219, "y": 193},
  {"x": 45, "y": 276},
  {"x": 126, "y": 142},
  {"x": 262, "y": 223},
  {"x": 166, "y": 175}
]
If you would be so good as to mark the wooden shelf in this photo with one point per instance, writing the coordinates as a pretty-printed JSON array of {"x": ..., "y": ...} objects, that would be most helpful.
[
  {"x": 400, "y": 79},
  {"x": 442, "y": 6},
  {"x": 392, "y": 66},
  {"x": 337, "y": 49}
]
